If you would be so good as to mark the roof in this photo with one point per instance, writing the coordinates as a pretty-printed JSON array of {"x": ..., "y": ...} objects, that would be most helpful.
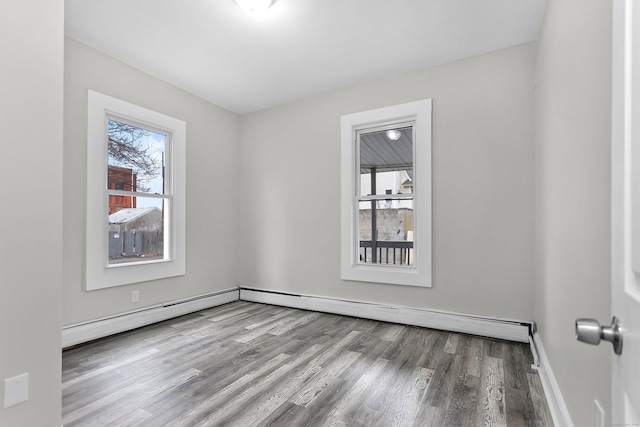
[{"x": 127, "y": 215}]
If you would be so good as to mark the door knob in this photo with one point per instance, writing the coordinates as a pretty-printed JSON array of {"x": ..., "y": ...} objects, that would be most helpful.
[{"x": 589, "y": 331}]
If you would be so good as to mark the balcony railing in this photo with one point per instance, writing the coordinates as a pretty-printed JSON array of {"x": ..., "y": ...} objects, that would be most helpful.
[{"x": 398, "y": 252}]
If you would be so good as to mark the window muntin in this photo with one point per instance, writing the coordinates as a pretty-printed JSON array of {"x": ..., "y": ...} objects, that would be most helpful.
[
  {"x": 135, "y": 227},
  {"x": 398, "y": 189}
]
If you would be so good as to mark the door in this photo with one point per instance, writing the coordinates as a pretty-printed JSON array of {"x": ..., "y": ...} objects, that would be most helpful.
[{"x": 625, "y": 213}]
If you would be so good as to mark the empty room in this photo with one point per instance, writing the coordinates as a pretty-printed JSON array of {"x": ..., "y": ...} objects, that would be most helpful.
[{"x": 408, "y": 212}]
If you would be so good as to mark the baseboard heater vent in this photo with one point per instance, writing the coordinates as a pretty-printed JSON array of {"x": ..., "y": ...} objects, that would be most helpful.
[
  {"x": 507, "y": 329},
  {"x": 88, "y": 331}
]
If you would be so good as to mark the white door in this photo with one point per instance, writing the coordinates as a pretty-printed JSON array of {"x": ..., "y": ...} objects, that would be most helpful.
[{"x": 625, "y": 214}]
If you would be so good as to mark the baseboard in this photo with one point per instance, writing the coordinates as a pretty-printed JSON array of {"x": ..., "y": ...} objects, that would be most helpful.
[
  {"x": 88, "y": 331},
  {"x": 555, "y": 401},
  {"x": 511, "y": 330},
  {"x": 507, "y": 329}
]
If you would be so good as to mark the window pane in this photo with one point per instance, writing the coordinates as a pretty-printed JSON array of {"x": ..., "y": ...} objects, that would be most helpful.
[
  {"x": 135, "y": 159},
  {"x": 137, "y": 234},
  {"x": 392, "y": 242},
  {"x": 386, "y": 161}
]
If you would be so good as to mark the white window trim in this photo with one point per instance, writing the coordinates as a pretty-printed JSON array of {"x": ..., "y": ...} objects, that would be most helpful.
[
  {"x": 99, "y": 274},
  {"x": 420, "y": 274}
]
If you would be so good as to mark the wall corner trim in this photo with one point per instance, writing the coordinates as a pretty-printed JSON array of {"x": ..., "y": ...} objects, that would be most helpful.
[
  {"x": 511, "y": 330},
  {"x": 87, "y": 331},
  {"x": 555, "y": 401}
]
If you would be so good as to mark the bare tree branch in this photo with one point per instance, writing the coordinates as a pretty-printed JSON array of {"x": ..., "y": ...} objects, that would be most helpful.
[{"x": 126, "y": 148}]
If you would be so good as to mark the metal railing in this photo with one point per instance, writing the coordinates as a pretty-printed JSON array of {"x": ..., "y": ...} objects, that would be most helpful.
[{"x": 398, "y": 252}]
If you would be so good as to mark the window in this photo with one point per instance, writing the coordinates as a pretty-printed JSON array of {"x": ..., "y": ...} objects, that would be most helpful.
[
  {"x": 386, "y": 195},
  {"x": 135, "y": 194}
]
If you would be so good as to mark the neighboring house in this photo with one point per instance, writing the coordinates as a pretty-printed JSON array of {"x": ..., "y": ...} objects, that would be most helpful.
[{"x": 124, "y": 179}]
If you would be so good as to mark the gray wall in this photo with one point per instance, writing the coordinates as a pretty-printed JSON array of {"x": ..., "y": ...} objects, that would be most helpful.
[
  {"x": 483, "y": 118},
  {"x": 573, "y": 195},
  {"x": 212, "y": 159},
  {"x": 31, "y": 47}
]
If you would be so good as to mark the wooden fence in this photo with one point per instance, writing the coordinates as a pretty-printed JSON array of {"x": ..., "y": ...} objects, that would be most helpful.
[{"x": 135, "y": 243}]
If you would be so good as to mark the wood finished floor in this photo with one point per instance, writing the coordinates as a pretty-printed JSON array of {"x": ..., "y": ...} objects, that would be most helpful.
[{"x": 259, "y": 365}]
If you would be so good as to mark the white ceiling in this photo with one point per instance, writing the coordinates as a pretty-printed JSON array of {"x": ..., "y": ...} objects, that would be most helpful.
[{"x": 298, "y": 48}]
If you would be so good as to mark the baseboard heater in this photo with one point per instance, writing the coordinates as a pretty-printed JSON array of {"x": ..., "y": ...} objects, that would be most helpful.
[
  {"x": 87, "y": 331},
  {"x": 507, "y": 329}
]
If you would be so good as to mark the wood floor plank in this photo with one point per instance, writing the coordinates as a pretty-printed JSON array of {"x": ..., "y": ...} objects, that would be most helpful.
[
  {"x": 431, "y": 416},
  {"x": 493, "y": 348},
  {"x": 473, "y": 356},
  {"x": 268, "y": 320},
  {"x": 407, "y": 408},
  {"x": 264, "y": 328},
  {"x": 343, "y": 412},
  {"x": 229, "y": 413},
  {"x": 234, "y": 312},
  {"x": 432, "y": 344},
  {"x": 136, "y": 418},
  {"x": 219, "y": 398},
  {"x": 446, "y": 372},
  {"x": 257, "y": 413},
  {"x": 94, "y": 414},
  {"x": 286, "y": 414},
  {"x": 515, "y": 376},
  {"x": 542, "y": 414},
  {"x": 402, "y": 365},
  {"x": 294, "y": 324},
  {"x": 108, "y": 368},
  {"x": 320, "y": 382},
  {"x": 391, "y": 331},
  {"x": 491, "y": 405},
  {"x": 452, "y": 343},
  {"x": 463, "y": 405},
  {"x": 248, "y": 364},
  {"x": 219, "y": 373},
  {"x": 520, "y": 410}
]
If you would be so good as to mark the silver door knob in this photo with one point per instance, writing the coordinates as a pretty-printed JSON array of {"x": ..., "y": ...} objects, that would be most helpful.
[{"x": 589, "y": 331}]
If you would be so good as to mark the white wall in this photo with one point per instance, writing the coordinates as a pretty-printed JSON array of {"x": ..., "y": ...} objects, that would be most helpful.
[
  {"x": 573, "y": 195},
  {"x": 31, "y": 47},
  {"x": 483, "y": 110},
  {"x": 212, "y": 159}
]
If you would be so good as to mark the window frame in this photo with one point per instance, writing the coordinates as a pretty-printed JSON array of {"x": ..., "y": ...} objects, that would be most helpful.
[
  {"x": 99, "y": 273},
  {"x": 418, "y": 112}
]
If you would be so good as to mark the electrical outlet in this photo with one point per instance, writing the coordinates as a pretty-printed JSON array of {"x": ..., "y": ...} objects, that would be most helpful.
[
  {"x": 135, "y": 296},
  {"x": 16, "y": 390}
]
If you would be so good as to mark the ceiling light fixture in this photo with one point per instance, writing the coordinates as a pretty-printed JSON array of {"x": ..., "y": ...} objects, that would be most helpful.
[
  {"x": 393, "y": 134},
  {"x": 254, "y": 5}
]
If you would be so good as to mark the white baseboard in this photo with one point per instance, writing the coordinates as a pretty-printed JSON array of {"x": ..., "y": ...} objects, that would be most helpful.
[
  {"x": 511, "y": 330},
  {"x": 555, "y": 401},
  {"x": 508, "y": 329},
  {"x": 87, "y": 331}
]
